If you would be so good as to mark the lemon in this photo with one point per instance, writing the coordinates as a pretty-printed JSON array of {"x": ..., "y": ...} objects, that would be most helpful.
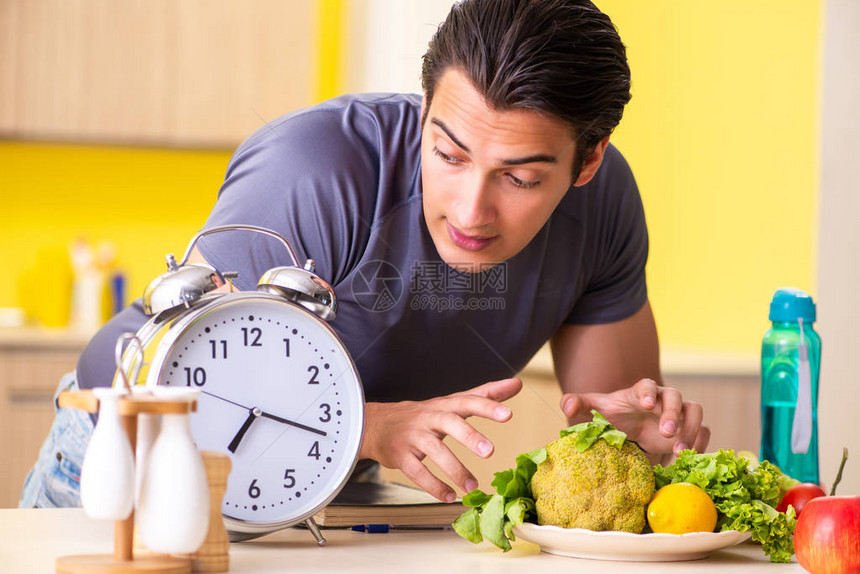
[{"x": 680, "y": 508}]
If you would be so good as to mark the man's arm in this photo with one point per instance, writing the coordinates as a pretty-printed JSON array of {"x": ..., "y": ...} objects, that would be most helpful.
[{"x": 596, "y": 366}]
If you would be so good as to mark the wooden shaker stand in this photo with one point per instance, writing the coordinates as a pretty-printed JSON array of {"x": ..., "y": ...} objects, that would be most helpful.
[{"x": 123, "y": 560}]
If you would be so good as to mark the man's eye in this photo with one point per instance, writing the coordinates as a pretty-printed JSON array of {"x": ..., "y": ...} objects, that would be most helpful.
[
  {"x": 522, "y": 183},
  {"x": 445, "y": 157}
]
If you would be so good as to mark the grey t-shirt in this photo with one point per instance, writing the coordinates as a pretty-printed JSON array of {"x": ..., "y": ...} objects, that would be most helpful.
[{"x": 342, "y": 182}]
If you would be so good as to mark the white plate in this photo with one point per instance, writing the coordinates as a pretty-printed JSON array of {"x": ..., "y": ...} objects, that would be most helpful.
[{"x": 581, "y": 543}]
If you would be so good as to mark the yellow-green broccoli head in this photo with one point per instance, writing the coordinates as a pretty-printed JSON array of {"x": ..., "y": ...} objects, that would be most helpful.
[{"x": 603, "y": 487}]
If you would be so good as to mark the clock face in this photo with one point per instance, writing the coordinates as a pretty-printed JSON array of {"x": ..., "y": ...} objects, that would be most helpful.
[{"x": 279, "y": 394}]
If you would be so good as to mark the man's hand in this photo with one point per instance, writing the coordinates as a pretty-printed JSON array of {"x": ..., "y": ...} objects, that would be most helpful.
[
  {"x": 400, "y": 435},
  {"x": 594, "y": 365},
  {"x": 657, "y": 418}
]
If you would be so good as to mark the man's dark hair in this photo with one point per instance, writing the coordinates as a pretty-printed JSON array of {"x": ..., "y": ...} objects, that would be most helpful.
[{"x": 558, "y": 57}]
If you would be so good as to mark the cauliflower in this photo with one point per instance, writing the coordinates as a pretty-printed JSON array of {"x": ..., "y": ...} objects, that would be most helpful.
[
  {"x": 592, "y": 477},
  {"x": 599, "y": 487}
]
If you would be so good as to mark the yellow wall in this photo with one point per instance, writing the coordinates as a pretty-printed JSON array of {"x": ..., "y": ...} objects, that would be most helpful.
[
  {"x": 331, "y": 37},
  {"x": 722, "y": 134},
  {"x": 148, "y": 202}
]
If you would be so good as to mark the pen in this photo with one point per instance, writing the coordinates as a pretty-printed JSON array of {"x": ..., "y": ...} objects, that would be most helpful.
[{"x": 384, "y": 528}]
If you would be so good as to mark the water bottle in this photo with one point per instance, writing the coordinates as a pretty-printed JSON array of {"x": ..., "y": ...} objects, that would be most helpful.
[{"x": 790, "y": 360}]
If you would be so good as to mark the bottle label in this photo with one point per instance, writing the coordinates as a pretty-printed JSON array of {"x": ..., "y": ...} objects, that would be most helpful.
[{"x": 801, "y": 428}]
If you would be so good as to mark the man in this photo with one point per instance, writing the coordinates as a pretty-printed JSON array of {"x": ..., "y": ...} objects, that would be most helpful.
[{"x": 501, "y": 180}]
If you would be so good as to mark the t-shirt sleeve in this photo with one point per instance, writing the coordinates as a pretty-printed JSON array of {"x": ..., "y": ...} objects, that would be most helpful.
[
  {"x": 300, "y": 177},
  {"x": 97, "y": 363},
  {"x": 618, "y": 247}
]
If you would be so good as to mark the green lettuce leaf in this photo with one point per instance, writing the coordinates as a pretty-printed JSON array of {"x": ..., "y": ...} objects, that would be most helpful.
[
  {"x": 492, "y": 522},
  {"x": 516, "y": 511},
  {"x": 501, "y": 480},
  {"x": 476, "y": 498},
  {"x": 467, "y": 525},
  {"x": 493, "y": 516},
  {"x": 589, "y": 433}
]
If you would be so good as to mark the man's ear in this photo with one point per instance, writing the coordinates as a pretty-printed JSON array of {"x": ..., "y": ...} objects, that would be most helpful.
[
  {"x": 592, "y": 162},
  {"x": 423, "y": 110}
]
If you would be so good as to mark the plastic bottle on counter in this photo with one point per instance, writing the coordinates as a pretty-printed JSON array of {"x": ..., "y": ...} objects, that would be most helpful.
[
  {"x": 790, "y": 365},
  {"x": 87, "y": 288},
  {"x": 113, "y": 281}
]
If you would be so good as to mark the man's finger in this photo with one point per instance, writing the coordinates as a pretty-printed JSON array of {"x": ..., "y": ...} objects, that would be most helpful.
[
  {"x": 438, "y": 452},
  {"x": 421, "y": 475},
  {"x": 576, "y": 406},
  {"x": 692, "y": 420},
  {"x": 496, "y": 390},
  {"x": 702, "y": 439},
  {"x": 646, "y": 393},
  {"x": 671, "y": 404},
  {"x": 473, "y": 405},
  {"x": 464, "y": 433}
]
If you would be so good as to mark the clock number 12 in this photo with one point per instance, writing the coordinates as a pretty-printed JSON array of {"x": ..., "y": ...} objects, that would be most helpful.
[{"x": 254, "y": 332}]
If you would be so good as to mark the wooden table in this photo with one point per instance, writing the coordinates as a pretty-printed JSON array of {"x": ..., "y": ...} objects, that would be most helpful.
[{"x": 30, "y": 541}]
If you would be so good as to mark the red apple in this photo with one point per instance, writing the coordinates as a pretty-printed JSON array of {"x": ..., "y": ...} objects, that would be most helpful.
[
  {"x": 798, "y": 495},
  {"x": 827, "y": 536}
]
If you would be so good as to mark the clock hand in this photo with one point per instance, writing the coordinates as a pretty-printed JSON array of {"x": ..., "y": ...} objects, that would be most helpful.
[
  {"x": 292, "y": 423},
  {"x": 223, "y": 399},
  {"x": 264, "y": 414},
  {"x": 252, "y": 416}
]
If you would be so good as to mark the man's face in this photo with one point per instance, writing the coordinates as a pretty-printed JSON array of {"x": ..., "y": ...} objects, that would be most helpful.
[{"x": 491, "y": 178}]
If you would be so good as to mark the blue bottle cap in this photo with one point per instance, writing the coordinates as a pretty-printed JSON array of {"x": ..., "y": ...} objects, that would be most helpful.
[{"x": 789, "y": 305}]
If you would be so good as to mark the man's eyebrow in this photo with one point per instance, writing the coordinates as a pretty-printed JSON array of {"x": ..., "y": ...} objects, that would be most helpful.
[
  {"x": 450, "y": 134},
  {"x": 537, "y": 158}
]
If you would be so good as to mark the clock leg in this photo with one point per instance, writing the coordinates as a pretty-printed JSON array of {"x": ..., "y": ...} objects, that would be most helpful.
[{"x": 315, "y": 530}]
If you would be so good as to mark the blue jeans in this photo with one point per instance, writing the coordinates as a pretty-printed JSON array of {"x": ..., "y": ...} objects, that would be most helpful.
[{"x": 55, "y": 480}]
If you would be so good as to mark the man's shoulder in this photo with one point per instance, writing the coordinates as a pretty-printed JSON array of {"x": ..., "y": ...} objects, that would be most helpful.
[
  {"x": 612, "y": 185},
  {"x": 365, "y": 116},
  {"x": 381, "y": 107},
  {"x": 381, "y": 102},
  {"x": 614, "y": 167},
  {"x": 360, "y": 150}
]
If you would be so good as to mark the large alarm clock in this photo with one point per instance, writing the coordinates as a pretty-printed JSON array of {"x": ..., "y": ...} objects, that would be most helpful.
[{"x": 279, "y": 392}]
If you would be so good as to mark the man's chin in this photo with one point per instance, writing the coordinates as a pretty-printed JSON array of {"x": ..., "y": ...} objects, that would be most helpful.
[
  {"x": 468, "y": 261},
  {"x": 465, "y": 260}
]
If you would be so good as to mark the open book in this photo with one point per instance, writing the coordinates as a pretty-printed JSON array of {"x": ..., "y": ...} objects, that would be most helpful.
[{"x": 366, "y": 503}]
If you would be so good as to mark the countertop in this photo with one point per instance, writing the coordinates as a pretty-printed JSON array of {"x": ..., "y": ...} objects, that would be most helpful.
[
  {"x": 31, "y": 540},
  {"x": 678, "y": 361},
  {"x": 41, "y": 338}
]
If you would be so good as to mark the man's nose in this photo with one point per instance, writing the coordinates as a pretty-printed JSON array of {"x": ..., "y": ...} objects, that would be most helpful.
[{"x": 475, "y": 207}]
